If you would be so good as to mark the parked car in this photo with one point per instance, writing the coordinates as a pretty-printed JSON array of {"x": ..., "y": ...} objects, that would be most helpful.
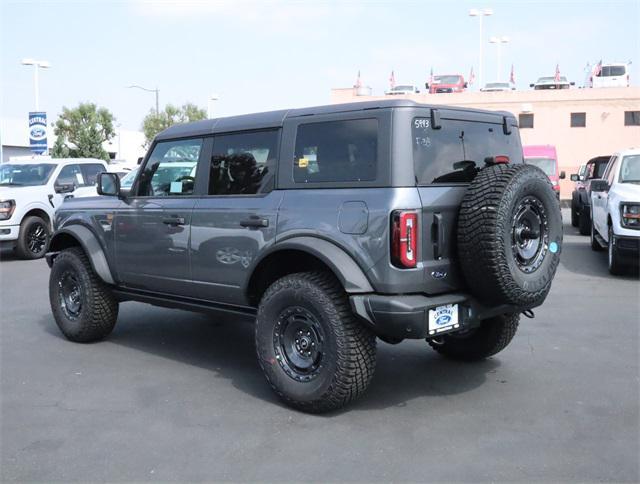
[
  {"x": 497, "y": 87},
  {"x": 551, "y": 83},
  {"x": 446, "y": 83},
  {"x": 352, "y": 240},
  {"x": 30, "y": 193},
  {"x": 615, "y": 213},
  {"x": 404, "y": 89},
  {"x": 545, "y": 158},
  {"x": 611, "y": 75},
  {"x": 581, "y": 196}
]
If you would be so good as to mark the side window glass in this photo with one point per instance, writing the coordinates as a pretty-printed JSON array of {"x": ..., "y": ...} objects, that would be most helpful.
[
  {"x": 171, "y": 169},
  {"x": 243, "y": 163},
  {"x": 336, "y": 151},
  {"x": 90, "y": 173},
  {"x": 70, "y": 175},
  {"x": 612, "y": 170}
]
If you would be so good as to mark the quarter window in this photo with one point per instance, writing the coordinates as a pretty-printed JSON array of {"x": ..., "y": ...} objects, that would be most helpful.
[
  {"x": 243, "y": 163},
  {"x": 171, "y": 169},
  {"x": 525, "y": 120},
  {"x": 336, "y": 151},
  {"x": 578, "y": 120}
]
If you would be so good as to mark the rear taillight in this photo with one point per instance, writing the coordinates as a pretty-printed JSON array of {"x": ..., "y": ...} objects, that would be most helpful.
[{"x": 404, "y": 239}]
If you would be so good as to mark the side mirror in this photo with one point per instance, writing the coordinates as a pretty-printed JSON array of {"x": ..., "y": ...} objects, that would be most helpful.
[
  {"x": 466, "y": 85},
  {"x": 563, "y": 175},
  {"x": 575, "y": 177},
  {"x": 572, "y": 83},
  {"x": 108, "y": 184},
  {"x": 426, "y": 85},
  {"x": 417, "y": 91},
  {"x": 64, "y": 187},
  {"x": 599, "y": 185},
  {"x": 531, "y": 85}
]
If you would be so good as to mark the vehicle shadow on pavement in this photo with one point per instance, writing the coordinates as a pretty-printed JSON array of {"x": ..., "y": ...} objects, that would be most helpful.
[
  {"x": 7, "y": 255},
  {"x": 224, "y": 345}
]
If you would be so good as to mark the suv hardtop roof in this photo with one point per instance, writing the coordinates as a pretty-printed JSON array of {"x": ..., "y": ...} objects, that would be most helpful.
[
  {"x": 54, "y": 161},
  {"x": 274, "y": 119}
]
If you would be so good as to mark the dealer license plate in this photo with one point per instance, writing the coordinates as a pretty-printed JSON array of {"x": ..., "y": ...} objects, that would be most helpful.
[{"x": 443, "y": 318}]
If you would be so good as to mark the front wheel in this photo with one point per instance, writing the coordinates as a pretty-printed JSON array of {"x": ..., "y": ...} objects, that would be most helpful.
[
  {"x": 313, "y": 352},
  {"x": 33, "y": 238},
  {"x": 491, "y": 337},
  {"x": 616, "y": 267},
  {"x": 83, "y": 306}
]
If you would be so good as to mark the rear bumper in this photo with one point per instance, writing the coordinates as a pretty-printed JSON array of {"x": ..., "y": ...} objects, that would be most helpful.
[{"x": 407, "y": 316}]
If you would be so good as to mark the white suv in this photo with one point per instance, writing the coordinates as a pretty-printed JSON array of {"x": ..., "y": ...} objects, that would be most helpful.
[
  {"x": 30, "y": 193},
  {"x": 615, "y": 211}
]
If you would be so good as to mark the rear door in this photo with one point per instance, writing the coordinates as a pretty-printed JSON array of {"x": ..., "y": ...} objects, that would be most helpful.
[
  {"x": 236, "y": 219},
  {"x": 446, "y": 159}
]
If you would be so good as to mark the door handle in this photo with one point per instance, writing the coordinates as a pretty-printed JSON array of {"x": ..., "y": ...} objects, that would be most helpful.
[
  {"x": 255, "y": 221},
  {"x": 173, "y": 221}
]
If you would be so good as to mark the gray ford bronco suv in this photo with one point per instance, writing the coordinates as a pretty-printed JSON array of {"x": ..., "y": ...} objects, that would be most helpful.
[{"x": 330, "y": 227}]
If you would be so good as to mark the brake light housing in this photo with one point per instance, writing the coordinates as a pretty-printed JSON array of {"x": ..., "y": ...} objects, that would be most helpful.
[{"x": 404, "y": 239}]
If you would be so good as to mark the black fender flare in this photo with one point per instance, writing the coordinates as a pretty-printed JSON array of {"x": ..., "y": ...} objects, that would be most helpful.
[
  {"x": 91, "y": 246},
  {"x": 348, "y": 272}
]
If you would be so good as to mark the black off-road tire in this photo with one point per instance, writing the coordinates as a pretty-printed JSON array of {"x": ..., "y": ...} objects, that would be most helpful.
[
  {"x": 616, "y": 266},
  {"x": 595, "y": 245},
  {"x": 584, "y": 222},
  {"x": 575, "y": 216},
  {"x": 489, "y": 222},
  {"x": 491, "y": 337},
  {"x": 98, "y": 310},
  {"x": 347, "y": 361},
  {"x": 24, "y": 247}
]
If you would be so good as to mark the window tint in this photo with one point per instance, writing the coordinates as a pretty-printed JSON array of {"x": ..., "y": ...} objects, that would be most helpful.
[
  {"x": 243, "y": 163},
  {"x": 578, "y": 120},
  {"x": 90, "y": 173},
  {"x": 525, "y": 120},
  {"x": 608, "y": 71},
  {"x": 171, "y": 169},
  {"x": 336, "y": 151},
  {"x": 455, "y": 152},
  {"x": 70, "y": 175},
  {"x": 632, "y": 118}
]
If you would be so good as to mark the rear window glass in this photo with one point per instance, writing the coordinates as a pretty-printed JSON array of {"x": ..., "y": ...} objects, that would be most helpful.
[
  {"x": 455, "y": 152},
  {"x": 609, "y": 71},
  {"x": 336, "y": 151}
]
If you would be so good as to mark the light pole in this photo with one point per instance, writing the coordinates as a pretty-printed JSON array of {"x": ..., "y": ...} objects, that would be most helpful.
[
  {"x": 37, "y": 64},
  {"x": 499, "y": 41},
  {"x": 213, "y": 97},
  {"x": 149, "y": 90},
  {"x": 485, "y": 12}
]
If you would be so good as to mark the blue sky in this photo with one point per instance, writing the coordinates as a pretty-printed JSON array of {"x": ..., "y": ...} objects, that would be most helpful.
[{"x": 261, "y": 55}]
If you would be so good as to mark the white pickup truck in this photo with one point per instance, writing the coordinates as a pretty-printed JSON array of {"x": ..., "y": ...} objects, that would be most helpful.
[
  {"x": 615, "y": 211},
  {"x": 30, "y": 193}
]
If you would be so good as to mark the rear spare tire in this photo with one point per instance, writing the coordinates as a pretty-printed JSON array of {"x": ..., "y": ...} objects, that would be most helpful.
[{"x": 510, "y": 235}]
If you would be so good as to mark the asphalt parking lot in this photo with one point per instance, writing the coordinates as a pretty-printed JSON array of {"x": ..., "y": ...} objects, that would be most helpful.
[{"x": 176, "y": 396}]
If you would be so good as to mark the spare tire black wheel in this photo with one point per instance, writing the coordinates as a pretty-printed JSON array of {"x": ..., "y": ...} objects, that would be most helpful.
[{"x": 510, "y": 235}]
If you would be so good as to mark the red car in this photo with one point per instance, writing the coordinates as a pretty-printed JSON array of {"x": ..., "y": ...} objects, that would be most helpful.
[{"x": 446, "y": 83}]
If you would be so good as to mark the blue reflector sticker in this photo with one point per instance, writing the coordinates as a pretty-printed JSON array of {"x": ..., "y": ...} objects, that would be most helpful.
[{"x": 553, "y": 247}]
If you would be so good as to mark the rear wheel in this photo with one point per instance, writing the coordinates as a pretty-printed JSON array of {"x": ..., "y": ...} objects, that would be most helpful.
[
  {"x": 584, "y": 222},
  {"x": 33, "y": 239},
  {"x": 491, "y": 337},
  {"x": 595, "y": 245},
  {"x": 575, "y": 216},
  {"x": 313, "y": 352},
  {"x": 83, "y": 306}
]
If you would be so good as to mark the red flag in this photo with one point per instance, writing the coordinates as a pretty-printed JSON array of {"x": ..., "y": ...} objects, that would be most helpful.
[
  {"x": 598, "y": 68},
  {"x": 358, "y": 82},
  {"x": 557, "y": 77},
  {"x": 431, "y": 77},
  {"x": 512, "y": 77},
  {"x": 472, "y": 77},
  {"x": 392, "y": 80}
]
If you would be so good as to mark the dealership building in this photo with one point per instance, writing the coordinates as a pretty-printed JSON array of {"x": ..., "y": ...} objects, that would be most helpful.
[{"x": 580, "y": 123}]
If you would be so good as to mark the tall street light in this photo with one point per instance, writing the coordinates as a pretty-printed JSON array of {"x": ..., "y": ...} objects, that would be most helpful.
[
  {"x": 499, "y": 41},
  {"x": 213, "y": 97},
  {"x": 480, "y": 13},
  {"x": 37, "y": 64},
  {"x": 149, "y": 90}
]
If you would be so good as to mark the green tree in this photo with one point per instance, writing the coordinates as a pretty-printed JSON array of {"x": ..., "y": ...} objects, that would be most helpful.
[
  {"x": 81, "y": 131},
  {"x": 154, "y": 123}
]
